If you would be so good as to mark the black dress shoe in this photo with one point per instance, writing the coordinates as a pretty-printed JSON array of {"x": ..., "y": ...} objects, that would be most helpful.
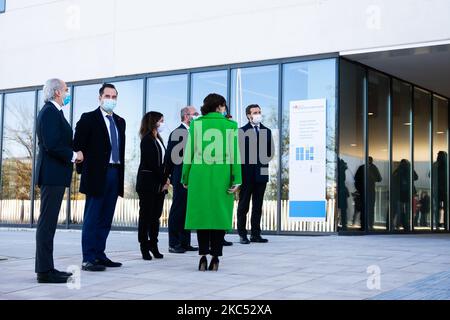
[
  {"x": 203, "y": 264},
  {"x": 177, "y": 250},
  {"x": 244, "y": 240},
  {"x": 145, "y": 253},
  {"x": 190, "y": 248},
  {"x": 62, "y": 273},
  {"x": 214, "y": 265},
  {"x": 258, "y": 239},
  {"x": 108, "y": 263},
  {"x": 227, "y": 243},
  {"x": 51, "y": 277},
  {"x": 156, "y": 254},
  {"x": 89, "y": 266}
]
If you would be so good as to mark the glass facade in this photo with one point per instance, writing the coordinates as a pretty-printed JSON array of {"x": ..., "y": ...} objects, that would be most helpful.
[
  {"x": 17, "y": 157},
  {"x": 351, "y": 145},
  {"x": 305, "y": 81},
  {"x": 404, "y": 133},
  {"x": 386, "y": 142},
  {"x": 259, "y": 85}
]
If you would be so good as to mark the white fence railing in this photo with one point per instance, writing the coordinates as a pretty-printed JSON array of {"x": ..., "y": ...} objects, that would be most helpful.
[{"x": 127, "y": 213}]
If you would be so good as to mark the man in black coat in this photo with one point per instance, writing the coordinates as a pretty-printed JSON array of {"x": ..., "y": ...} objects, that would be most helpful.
[
  {"x": 179, "y": 238},
  {"x": 53, "y": 175},
  {"x": 373, "y": 176},
  {"x": 100, "y": 135},
  {"x": 257, "y": 149}
]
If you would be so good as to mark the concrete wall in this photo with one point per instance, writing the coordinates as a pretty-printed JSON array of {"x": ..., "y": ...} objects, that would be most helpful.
[{"x": 91, "y": 39}]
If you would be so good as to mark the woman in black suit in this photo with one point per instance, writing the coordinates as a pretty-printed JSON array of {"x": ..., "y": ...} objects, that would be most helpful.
[{"x": 151, "y": 184}]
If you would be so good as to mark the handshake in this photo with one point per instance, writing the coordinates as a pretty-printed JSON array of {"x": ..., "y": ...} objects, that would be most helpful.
[
  {"x": 79, "y": 158},
  {"x": 166, "y": 186}
]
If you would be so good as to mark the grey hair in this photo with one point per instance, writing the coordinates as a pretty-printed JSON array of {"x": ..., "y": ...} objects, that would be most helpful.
[
  {"x": 184, "y": 112},
  {"x": 50, "y": 87}
]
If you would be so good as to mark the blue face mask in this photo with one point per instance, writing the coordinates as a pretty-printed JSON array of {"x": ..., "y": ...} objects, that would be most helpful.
[
  {"x": 67, "y": 99},
  {"x": 224, "y": 113},
  {"x": 109, "y": 105}
]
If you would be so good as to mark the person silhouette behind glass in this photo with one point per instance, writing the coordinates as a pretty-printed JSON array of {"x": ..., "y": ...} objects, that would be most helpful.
[
  {"x": 343, "y": 193},
  {"x": 424, "y": 209},
  {"x": 367, "y": 199},
  {"x": 439, "y": 187},
  {"x": 401, "y": 194}
]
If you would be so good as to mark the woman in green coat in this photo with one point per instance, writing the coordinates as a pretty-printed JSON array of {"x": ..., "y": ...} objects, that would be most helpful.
[{"x": 212, "y": 174}]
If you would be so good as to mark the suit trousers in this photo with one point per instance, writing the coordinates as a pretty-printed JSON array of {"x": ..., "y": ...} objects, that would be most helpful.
[
  {"x": 255, "y": 192},
  {"x": 210, "y": 242},
  {"x": 178, "y": 236},
  {"x": 150, "y": 210},
  {"x": 98, "y": 217},
  {"x": 51, "y": 198}
]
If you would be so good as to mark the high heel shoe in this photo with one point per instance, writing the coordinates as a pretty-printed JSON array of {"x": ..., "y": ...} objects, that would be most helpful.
[
  {"x": 202, "y": 264},
  {"x": 154, "y": 250},
  {"x": 214, "y": 265},
  {"x": 145, "y": 253}
]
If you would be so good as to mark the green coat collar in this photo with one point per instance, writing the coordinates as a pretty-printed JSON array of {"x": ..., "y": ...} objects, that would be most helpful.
[{"x": 214, "y": 115}]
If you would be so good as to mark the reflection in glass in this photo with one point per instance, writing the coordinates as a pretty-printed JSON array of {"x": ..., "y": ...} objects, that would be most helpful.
[
  {"x": 401, "y": 156},
  {"x": 440, "y": 163},
  {"x": 204, "y": 83},
  {"x": 351, "y": 143},
  {"x": 167, "y": 95},
  {"x": 259, "y": 86},
  {"x": 17, "y": 157},
  {"x": 376, "y": 200},
  {"x": 304, "y": 81},
  {"x": 422, "y": 158}
]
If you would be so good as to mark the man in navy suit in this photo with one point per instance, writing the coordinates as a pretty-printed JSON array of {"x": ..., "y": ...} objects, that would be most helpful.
[
  {"x": 257, "y": 149},
  {"x": 53, "y": 174},
  {"x": 100, "y": 135},
  {"x": 179, "y": 238}
]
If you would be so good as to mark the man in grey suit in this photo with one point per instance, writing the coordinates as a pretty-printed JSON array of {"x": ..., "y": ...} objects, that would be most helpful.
[{"x": 53, "y": 174}]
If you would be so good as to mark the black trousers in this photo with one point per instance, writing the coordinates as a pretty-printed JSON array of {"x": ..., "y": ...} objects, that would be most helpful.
[
  {"x": 178, "y": 236},
  {"x": 255, "y": 192},
  {"x": 150, "y": 210},
  {"x": 51, "y": 198},
  {"x": 210, "y": 242}
]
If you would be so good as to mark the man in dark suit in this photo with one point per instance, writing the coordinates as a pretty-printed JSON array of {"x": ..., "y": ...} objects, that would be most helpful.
[
  {"x": 100, "y": 135},
  {"x": 257, "y": 149},
  {"x": 179, "y": 238},
  {"x": 53, "y": 174}
]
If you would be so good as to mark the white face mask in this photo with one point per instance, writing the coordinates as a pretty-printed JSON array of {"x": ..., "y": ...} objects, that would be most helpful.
[
  {"x": 109, "y": 105},
  {"x": 161, "y": 127},
  {"x": 257, "y": 118}
]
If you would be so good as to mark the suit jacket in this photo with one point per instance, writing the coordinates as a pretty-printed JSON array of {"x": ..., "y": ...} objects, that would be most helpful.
[
  {"x": 54, "y": 163},
  {"x": 255, "y": 168},
  {"x": 150, "y": 177},
  {"x": 174, "y": 163},
  {"x": 92, "y": 138}
]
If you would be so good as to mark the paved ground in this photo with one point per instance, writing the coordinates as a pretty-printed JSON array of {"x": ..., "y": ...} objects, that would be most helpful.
[{"x": 328, "y": 267}]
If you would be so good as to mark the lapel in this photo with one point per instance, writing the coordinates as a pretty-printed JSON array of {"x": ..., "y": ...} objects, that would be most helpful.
[
  {"x": 120, "y": 129},
  {"x": 248, "y": 126},
  {"x": 101, "y": 122},
  {"x": 61, "y": 115}
]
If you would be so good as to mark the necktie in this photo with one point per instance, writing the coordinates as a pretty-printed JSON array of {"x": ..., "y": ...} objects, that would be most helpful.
[{"x": 114, "y": 140}]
